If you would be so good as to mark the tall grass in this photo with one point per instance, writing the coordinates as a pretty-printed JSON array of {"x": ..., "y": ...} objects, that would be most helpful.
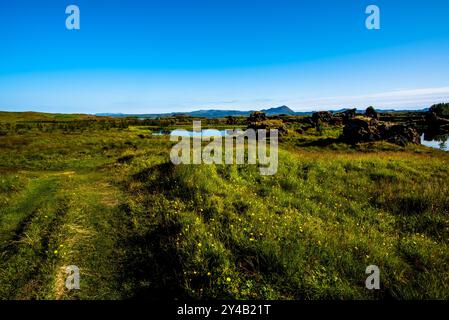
[{"x": 109, "y": 201}]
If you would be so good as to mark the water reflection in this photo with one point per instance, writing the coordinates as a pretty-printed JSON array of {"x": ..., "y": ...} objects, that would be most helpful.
[
  {"x": 189, "y": 133},
  {"x": 436, "y": 140}
]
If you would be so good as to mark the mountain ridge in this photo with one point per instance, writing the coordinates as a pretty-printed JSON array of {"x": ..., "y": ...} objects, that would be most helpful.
[{"x": 219, "y": 113}]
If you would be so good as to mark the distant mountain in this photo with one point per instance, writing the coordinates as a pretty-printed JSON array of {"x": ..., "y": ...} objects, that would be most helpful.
[
  {"x": 213, "y": 113},
  {"x": 216, "y": 113},
  {"x": 279, "y": 110}
]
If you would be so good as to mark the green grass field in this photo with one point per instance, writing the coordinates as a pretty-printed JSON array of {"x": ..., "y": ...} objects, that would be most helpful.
[{"x": 105, "y": 197}]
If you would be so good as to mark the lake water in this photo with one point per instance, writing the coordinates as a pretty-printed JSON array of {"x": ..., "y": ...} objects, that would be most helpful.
[
  {"x": 438, "y": 142},
  {"x": 187, "y": 133}
]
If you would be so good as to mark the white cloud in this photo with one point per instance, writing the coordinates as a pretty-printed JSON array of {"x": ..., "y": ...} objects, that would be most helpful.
[{"x": 398, "y": 99}]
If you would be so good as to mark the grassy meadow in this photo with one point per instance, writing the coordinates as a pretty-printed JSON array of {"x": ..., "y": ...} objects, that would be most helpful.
[{"x": 102, "y": 194}]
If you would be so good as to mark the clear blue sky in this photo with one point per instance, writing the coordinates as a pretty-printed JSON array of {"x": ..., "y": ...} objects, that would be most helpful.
[{"x": 159, "y": 56}]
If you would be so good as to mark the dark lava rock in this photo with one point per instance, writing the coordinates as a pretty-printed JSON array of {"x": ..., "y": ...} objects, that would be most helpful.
[
  {"x": 365, "y": 129},
  {"x": 400, "y": 134},
  {"x": 349, "y": 114},
  {"x": 231, "y": 120},
  {"x": 325, "y": 117},
  {"x": 434, "y": 120},
  {"x": 361, "y": 130},
  {"x": 258, "y": 120},
  {"x": 371, "y": 113},
  {"x": 256, "y": 117}
]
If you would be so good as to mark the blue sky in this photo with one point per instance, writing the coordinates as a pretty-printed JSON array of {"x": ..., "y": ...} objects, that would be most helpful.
[{"x": 161, "y": 56}]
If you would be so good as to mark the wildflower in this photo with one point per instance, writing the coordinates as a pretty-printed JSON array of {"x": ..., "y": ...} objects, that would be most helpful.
[
  {"x": 228, "y": 279},
  {"x": 208, "y": 274},
  {"x": 199, "y": 244},
  {"x": 55, "y": 252}
]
